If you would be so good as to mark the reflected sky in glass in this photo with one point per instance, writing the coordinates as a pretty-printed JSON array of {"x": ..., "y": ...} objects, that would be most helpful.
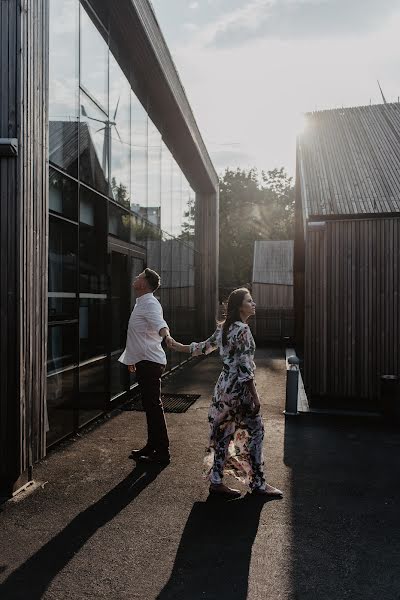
[
  {"x": 94, "y": 61},
  {"x": 120, "y": 123},
  {"x": 139, "y": 159}
]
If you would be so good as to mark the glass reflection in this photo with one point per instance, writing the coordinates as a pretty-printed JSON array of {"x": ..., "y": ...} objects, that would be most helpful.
[
  {"x": 152, "y": 213},
  {"x": 121, "y": 155},
  {"x": 62, "y": 273},
  {"x": 61, "y": 402},
  {"x": 139, "y": 177},
  {"x": 119, "y": 222},
  {"x": 64, "y": 85},
  {"x": 94, "y": 61},
  {"x": 166, "y": 189},
  {"x": 120, "y": 309},
  {"x": 62, "y": 346},
  {"x": 177, "y": 220},
  {"x": 188, "y": 212},
  {"x": 92, "y": 390},
  {"x": 94, "y": 145},
  {"x": 63, "y": 195},
  {"x": 92, "y": 274},
  {"x": 120, "y": 148}
]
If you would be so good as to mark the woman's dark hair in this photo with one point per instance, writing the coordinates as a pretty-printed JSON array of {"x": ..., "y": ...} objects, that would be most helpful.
[
  {"x": 234, "y": 304},
  {"x": 153, "y": 279}
]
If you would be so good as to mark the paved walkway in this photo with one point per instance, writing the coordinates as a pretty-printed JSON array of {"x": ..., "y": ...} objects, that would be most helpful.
[{"x": 100, "y": 530}]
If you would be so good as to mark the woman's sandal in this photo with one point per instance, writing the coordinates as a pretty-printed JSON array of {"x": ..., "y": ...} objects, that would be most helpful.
[
  {"x": 268, "y": 491},
  {"x": 223, "y": 490}
]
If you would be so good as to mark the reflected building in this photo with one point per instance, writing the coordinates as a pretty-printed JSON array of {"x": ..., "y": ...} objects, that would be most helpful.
[{"x": 111, "y": 176}]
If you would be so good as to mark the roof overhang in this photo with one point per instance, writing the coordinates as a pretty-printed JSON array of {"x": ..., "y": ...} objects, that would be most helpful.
[{"x": 137, "y": 42}]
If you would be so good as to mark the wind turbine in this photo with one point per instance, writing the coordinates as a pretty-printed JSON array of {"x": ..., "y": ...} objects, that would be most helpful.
[
  {"x": 108, "y": 125},
  {"x": 383, "y": 97}
]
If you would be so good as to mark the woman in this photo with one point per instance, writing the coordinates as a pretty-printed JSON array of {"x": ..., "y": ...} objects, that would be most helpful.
[{"x": 237, "y": 430}]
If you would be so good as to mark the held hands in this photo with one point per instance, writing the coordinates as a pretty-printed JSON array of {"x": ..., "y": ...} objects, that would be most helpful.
[
  {"x": 131, "y": 368},
  {"x": 169, "y": 341}
]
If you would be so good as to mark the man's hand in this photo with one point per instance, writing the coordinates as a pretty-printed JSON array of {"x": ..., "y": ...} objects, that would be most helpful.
[
  {"x": 131, "y": 368},
  {"x": 169, "y": 341}
]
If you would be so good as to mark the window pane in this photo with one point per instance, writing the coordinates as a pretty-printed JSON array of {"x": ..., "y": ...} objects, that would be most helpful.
[
  {"x": 154, "y": 176},
  {"x": 166, "y": 189},
  {"x": 139, "y": 157},
  {"x": 63, "y": 283},
  {"x": 119, "y": 222},
  {"x": 63, "y": 84},
  {"x": 92, "y": 390},
  {"x": 165, "y": 292},
  {"x": 92, "y": 243},
  {"x": 120, "y": 142},
  {"x": 62, "y": 346},
  {"x": 176, "y": 200},
  {"x": 120, "y": 309},
  {"x": 94, "y": 62},
  {"x": 63, "y": 195},
  {"x": 93, "y": 145},
  {"x": 188, "y": 212},
  {"x": 92, "y": 274},
  {"x": 92, "y": 327},
  {"x": 62, "y": 391}
]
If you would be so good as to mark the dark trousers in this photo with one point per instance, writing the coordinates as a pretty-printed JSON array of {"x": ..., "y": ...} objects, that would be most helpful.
[{"x": 149, "y": 380}]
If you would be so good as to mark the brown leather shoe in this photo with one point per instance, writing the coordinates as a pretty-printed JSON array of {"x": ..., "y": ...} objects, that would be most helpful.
[{"x": 223, "y": 490}]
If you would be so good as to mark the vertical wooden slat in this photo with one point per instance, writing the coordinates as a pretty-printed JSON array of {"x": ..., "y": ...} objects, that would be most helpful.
[{"x": 24, "y": 115}]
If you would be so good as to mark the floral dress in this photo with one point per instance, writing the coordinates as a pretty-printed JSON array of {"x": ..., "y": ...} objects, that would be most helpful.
[{"x": 236, "y": 436}]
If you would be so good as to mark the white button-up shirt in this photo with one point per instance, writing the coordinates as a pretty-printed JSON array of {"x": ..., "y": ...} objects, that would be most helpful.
[{"x": 143, "y": 341}]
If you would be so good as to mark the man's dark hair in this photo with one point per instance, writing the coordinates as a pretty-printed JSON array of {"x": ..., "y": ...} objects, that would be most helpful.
[{"x": 153, "y": 279}]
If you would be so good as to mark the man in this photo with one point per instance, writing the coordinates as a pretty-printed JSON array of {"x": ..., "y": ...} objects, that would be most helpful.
[{"x": 145, "y": 357}]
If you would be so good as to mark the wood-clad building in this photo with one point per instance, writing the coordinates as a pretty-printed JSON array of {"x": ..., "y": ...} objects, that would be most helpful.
[
  {"x": 347, "y": 263},
  {"x": 272, "y": 289},
  {"x": 103, "y": 171}
]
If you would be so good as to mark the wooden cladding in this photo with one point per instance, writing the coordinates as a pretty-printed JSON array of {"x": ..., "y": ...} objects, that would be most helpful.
[
  {"x": 23, "y": 237},
  {"x": 267, "y": 295},
  {"x": 352, "y": 307},
  {"x": 206, "y": 243}
]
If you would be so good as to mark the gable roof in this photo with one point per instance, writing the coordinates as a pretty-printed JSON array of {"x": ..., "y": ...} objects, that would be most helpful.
[
  {"x": 349, "y": 161},
  {"x": 273, "y": 262}
]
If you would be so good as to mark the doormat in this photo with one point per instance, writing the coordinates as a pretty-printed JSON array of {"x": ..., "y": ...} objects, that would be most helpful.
[{"x": 173, "y": 403}]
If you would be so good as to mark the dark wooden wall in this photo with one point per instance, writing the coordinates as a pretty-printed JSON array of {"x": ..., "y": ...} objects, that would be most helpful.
[
  {"x": 352, "y": 307},
  {"x": 23, "y": 238},
  {"x": 207, "y": 235}
]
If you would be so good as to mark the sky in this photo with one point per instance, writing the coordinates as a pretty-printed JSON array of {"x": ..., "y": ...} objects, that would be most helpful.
[{"x": 252, "y": 68}]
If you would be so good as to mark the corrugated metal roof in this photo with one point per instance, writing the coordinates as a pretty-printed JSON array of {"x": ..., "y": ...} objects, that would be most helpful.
[
  {"x": 273, "y": 262},
  {"x": 349, "y": 161}
]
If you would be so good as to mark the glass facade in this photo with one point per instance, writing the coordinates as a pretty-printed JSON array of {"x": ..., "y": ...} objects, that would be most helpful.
[{"x": 118, "y": 202}]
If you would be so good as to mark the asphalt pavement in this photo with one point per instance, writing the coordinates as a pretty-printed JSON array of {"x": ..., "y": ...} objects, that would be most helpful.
[{"x": 97, "y": 526}]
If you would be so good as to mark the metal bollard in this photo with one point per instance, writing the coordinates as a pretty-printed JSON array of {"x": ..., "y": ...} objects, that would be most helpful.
[{"x": 292, "y": 386}]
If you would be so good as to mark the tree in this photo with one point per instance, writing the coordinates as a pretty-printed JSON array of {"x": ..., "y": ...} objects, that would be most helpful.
[{"x": 252, "y": 207}]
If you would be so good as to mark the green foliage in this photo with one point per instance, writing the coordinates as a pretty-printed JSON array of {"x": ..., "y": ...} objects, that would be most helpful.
[{"x": 252, "y": 207}]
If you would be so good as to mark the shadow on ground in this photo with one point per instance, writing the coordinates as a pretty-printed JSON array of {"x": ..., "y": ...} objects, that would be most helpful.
[
  {"x": 345, "y": 520},
  {"x": 33, "y": 577},
  {"x": 213, "y": 557}
]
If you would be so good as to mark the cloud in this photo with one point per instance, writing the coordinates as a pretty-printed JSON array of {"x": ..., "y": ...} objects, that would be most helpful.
[
  {"x": 295, "y": 19},
  {"x": 230, "y": 158},
  {"x": 193, "y": 5}
]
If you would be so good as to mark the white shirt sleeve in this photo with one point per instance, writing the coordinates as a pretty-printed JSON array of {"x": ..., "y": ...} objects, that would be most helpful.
[{"x": 154, "y": 316}]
